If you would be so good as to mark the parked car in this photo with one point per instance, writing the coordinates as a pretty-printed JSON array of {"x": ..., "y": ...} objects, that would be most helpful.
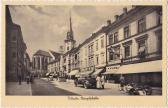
[{"x": 85, "y": 81}]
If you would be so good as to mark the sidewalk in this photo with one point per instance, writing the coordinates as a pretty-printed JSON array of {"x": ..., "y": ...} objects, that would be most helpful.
[{"x": 13, "y": 88}]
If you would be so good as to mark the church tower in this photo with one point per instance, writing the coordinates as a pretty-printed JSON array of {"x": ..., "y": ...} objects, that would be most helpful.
[{"x": 69, "y": 41}]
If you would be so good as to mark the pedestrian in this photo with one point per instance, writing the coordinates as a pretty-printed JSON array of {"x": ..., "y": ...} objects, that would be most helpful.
[
  {"x": 20, "y": 79},
  {"x": 103, "y": 81},
  {"x": 99, "y": 83},
  {"x": 122, "y": 82},
  {"x": 31, "y": 77},
  {"x": 28, "y": 78}
]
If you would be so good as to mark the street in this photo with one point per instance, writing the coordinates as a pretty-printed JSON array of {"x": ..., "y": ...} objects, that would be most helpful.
[{"x": 45, "y": 87}]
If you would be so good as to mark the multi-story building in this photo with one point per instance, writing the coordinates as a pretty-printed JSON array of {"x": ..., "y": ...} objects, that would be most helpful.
[
  {"x": 134, "y": 46},
  {"x": 27, "y": 64},
  {"x": 74, "y": 61},
  {"x": 55, "y": 64},
  {"x": 39, "y": 62},
  {"x": 15, "y": 49},
  {"x": 93, "y": 52}
]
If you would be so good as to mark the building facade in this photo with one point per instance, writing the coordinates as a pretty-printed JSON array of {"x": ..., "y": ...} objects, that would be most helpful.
[
  {"x": 39, "y": 62},
  {"x": 134, "y": 46},
  {"x": 15, "y": 50},
  {"x": 27, "y": 64},
  {"x": 55, "y": 65}
]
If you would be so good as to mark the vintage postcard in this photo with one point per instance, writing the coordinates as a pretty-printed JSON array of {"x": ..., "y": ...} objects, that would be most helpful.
[{"x": 102, "y": 53}]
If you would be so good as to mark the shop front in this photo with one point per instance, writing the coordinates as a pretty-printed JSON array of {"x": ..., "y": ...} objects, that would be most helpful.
[{"x": 146, "y": 73}]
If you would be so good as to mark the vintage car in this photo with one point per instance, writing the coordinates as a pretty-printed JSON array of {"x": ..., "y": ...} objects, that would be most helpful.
[{"x": 85, "y": 81}]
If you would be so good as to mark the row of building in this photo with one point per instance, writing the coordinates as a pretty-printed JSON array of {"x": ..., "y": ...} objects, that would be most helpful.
[
  {"x": 130, "y": 46},
  {"x": 17, "y": 59}
]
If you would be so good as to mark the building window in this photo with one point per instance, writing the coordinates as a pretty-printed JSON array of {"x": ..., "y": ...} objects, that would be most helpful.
[
  {"x": 142, "y": 48},
  {"x": 96, "y": 45},
  {"x": 102, "y": 58},
  {"x": 110, "y": 39},
  {"x": 67, "y": 48},
  {"x": 127, "y": 51},
  {"x": 126, "y": 32},
  {"x": 97, "y": 59},
  {"x": 141, "y": 25},
  {"x": 76, "y": 56},
  {"x": 115, "y": 37},
  {"x": 159, "y": 12},
  {"x": 64, "y": 60},
  {"x": 85, "y": 51},
  {"x": 117, "y": 53},
  {"x": 102, "y": 42},
  {"x": 111, "y": 56}
]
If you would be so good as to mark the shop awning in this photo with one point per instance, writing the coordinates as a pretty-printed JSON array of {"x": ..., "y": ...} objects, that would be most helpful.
[
  {"x": 113, "y": 71},
  {"x": 153, "y": 66},
  {"x": 98, "y": 71},
  {"x": 86, "y": 73},
  {"x": 73, "y": 72}
]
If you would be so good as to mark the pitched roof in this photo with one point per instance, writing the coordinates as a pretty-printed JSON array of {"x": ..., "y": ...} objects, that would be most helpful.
[
  {"x": 43, "y": 53},
  {"x": 55, "y": 54}
]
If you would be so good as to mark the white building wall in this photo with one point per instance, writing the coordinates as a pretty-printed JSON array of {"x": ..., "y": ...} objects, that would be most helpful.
[
  {"x": 133, "y": 28},
  {"x": 120, "y": 34}
]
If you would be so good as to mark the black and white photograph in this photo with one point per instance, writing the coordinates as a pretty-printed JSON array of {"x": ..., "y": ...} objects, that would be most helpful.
[{"x": 83, "y": 50}]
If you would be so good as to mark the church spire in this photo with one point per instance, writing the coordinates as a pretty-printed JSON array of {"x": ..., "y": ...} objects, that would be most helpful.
[
  {"x": 70, "y": 23},
  {"x": 70, "y": 28}
]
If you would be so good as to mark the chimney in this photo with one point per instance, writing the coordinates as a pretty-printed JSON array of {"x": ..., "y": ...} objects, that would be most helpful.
[
  {"x": 108, "y": 22},
  {"x": 116, "y": 17},
  {"x": 125, "y": 10}
]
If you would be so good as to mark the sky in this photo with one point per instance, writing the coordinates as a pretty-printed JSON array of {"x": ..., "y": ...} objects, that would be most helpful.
[{"x": 45, "y": 27}]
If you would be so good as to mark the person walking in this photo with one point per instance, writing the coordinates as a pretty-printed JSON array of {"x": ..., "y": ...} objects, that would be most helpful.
[
  {"x": 28, "y": 78},
  {"x": 122, "y": 82},
  {"x": 20, "y": 79},
  {"x": 103, "y": 81},
  {"x": 99, "y": 83}
]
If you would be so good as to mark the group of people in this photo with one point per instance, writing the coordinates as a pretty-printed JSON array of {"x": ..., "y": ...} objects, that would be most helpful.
[
  {"x": 100, "y": 79},
  {"x": 30, "y": 78}
]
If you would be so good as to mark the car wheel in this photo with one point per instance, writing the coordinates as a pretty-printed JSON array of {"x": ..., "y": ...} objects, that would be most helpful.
[{"x": 85, "y": 86}]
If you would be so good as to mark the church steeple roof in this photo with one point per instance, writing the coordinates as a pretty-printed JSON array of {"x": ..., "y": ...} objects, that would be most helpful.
[{"x": 70, "y": 32}]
